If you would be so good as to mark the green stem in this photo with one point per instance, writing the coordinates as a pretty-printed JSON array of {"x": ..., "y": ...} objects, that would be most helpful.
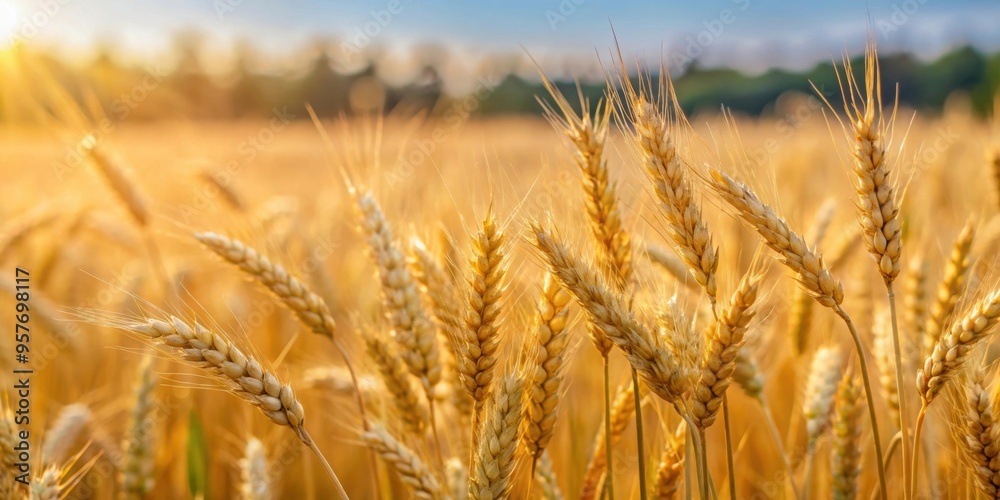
[
  {"x": 639, "y": 436},
  {"x": 859, "y": 347}
]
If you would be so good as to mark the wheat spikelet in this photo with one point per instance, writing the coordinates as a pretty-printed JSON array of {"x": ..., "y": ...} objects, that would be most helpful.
[
  {"x": 137, "y": 474},
  {"x": 411, "y": 469},
  {"x": 545, "y": 479},
  {"x": 885, "y": 361},
  {"x": 877, "y": 204},
  {"x": 812, "y": 273},
  {"x": 671, "y": 469},
  {"x": 845, "y": 456},
  {"x": 498, "y": 439},
  {"x": 820, "y": 389},
  {"x": 477, "y": 343},
  {"x": 588, "y": 136},
  {"x": 437, "y": 287},
  {"x": 307, "y": 306},
  {"x": 725, "y": 338},
  {"x": 255, "y": 480},
  {"x": 72, "y": 426},
  {"x": 119, "y": 178},
  {"x": 337, "y": 380},
  {"x": 648, "y": 353},
  {"x": 622, "y": 410},
  {"x": 401, "y": 297},
  {"x": 397, "y": 380},
  {"x": 953, "y": 347},
  {"x": 979, "y": 436},
  {"x": 544, "y": 388},
  {"x": 674, "y": 193},
  {"x": 673, "y": 265},
  {"x": 951, "y": 287}
]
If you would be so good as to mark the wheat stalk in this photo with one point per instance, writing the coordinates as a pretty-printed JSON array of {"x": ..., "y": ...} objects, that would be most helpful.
[
  {"x": 254, "y": 472},
  {"x": 137, "y": 474},
  {"x": 499, "y": 435},
  {"x": 545, "y": 384},
  {"x": 845, "y": 456},
  {"x": 411, "y": 469}
]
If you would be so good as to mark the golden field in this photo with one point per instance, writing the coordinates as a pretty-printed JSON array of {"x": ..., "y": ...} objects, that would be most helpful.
[{"x": 99, "y": 271}]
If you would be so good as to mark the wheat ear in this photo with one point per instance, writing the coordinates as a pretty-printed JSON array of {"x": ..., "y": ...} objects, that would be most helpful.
[
  {"x": 119, "y": 178},
  {"x": 648, "y": 353},
  {"x": 72, "y": 425},
  {"x": 545, "y": 478},
  {"x": 137, "y": 474},
  {"x": 886, "y": 363},
  {"x": 240, "y": 374},
  {"x": 411, "y": 469},
  {"x": 255, "y": 479},
  {"x": 307, "y": 306},
  {"x": 672, "y": 264},
  {"x": 820, "y": 390},
  {"x": 675, "y": 196},
  {"x": 979, "y": 437},
  {"x": 498, "y": 441},
  {"x": 845, "y": 457},
  {"x": 671, "y": 468},
  {"x": 725, "y": 338},
  {"x": 401, "y": 297},
  {"x": 397, "y": 380},
  {"x": 477, "y": 343},
  {"x": 951, "y": 287},
  {"x": 915, "y": 313},
  {"x": 801, "y": 313},
  {"x": 993, "y": 162},
  {"x": 225, "y": 188},
  {"x": 545, "y": 384}
]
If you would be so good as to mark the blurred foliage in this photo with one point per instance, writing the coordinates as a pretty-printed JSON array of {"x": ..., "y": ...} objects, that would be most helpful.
[{"x": 186, "y": 90}]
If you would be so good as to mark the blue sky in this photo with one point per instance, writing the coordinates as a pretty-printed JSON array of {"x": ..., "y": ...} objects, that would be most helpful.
[{"x": 754, "y": 35}]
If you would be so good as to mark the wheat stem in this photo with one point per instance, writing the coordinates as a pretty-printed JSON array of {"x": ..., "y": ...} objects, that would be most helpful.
[
  {"x": 640, "y": 439},
  {"x": 326, "y": 465},
  {"x": 729, "y": 446},
  {"x": 608, "y": 482}
]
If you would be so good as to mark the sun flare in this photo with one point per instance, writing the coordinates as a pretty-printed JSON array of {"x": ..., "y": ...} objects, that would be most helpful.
[{"x": 10, "y": 15}]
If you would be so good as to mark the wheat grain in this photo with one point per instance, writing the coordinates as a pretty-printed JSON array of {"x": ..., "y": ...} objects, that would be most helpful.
[{"x": 119, "y": 178}]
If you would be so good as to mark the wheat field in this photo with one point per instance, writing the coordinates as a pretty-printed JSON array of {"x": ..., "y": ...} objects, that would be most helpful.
[{"x": 492, "y": 308}]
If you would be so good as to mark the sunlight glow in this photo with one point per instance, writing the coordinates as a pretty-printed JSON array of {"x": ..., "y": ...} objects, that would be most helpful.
[{"x": 10, "y": 16}]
